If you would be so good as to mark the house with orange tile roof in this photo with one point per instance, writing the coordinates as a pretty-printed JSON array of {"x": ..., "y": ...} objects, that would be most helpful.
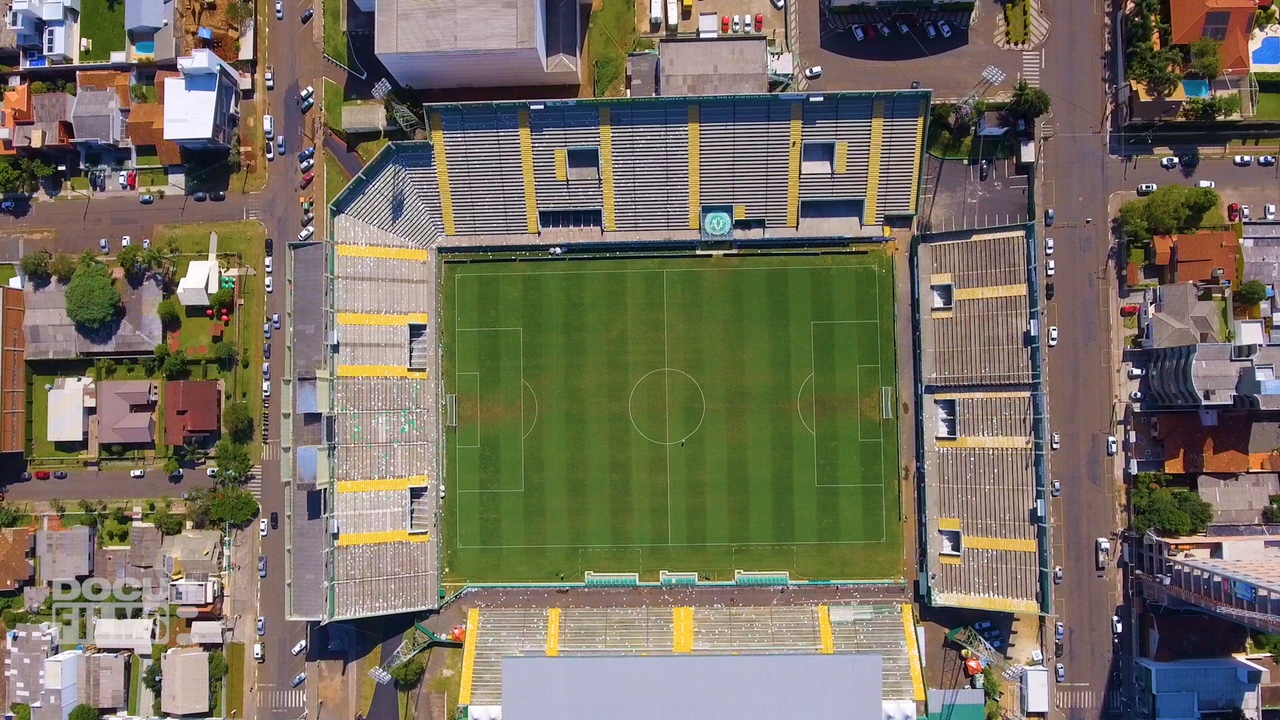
[
  {"x": 1207, "y": 257},
  {"x": 1230, "y": 22}
]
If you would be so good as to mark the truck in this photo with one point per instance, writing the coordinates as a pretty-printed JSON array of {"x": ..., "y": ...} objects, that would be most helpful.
[
  {"x": 1104, "y": 552},
  {"x": 270, "y": 77},
  {"x": 673, "y": 14}
]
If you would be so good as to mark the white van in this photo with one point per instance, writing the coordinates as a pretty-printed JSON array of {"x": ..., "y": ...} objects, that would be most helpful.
[
  {"x": 268, "y": 126},
  {"x": 266, "y": 388},
  {"x": 259, "y": 652}
]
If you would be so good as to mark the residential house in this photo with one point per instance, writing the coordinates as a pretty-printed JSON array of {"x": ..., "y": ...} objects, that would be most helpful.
[
  {"x": 13, "y": 366},
  {"x": 202, "y": 105},
  {"x": 126, "y": 412},
  {"x": 100, "y": 114},
  {"x": 46, "y": 31},
  {"x": 61, "y": 692},
  {"x": 1146, "y": 106},
  {"x": 206, "y": 632},
  {"x": 185, "y": 690},
  {"x": 1230, "y": 22},
  {"x": 65, "y": 555},
  {"x": 1178, "y": 316},
  {"x": 193, "y": 553},
  {"x": 35, "y": 122},
  {"x": 69, "y": 401},
  {"x": 1192, "y": 688},
  {"x": 17, "y": 546},
  {"x": 136, "y": 635},
  {"x": 1210, "y": 258},
  {"x": 106, "y": 681},
  {"x": 26, "y": 649},
  {"x": 146, "y": 129},
  {"x": 1211, "y": 441},
  {"x": 457, "y": 43},
  {"x": 192, "y": 411},
  {"x": 1239, "y": 499},
  {"x": 149, "y": 24}
]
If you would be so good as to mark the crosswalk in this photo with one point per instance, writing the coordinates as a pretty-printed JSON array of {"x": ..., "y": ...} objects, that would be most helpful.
[
  {"x": 254, "y": 486},
  {"x": 271, "y": 450},
  {"x": 1031, "y": 68},
  {"x": 1072, "y": 699},
  {"x": 253, "y": 211},
  {"x": 285, "y": 699}
]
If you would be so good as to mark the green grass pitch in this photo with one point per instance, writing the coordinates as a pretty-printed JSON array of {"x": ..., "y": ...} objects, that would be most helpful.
[{"x": 683, "y": 414}]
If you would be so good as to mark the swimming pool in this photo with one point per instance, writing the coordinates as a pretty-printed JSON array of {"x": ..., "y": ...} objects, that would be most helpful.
[
  {"x": 145, "y": 48},
  {"x": 1268, "y": 53},
  {"x": 1196, "y": 88}
]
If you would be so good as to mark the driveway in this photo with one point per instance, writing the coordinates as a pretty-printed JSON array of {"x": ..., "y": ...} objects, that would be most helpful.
[
  {"x": 955, "y": 197},
  {"x": 951, "y": 67}
]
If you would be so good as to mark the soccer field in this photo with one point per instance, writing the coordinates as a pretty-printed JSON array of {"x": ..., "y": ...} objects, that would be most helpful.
[{"x": 684, "y": 414}]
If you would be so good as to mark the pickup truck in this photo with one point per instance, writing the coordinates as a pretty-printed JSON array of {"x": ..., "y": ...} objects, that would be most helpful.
[
  {"x": 270, "y": 77},
  {"x": 1104, "y": 552}
]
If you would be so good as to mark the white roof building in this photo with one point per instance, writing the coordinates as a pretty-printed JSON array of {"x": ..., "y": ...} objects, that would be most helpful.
[
  {"x": 69, "y": 403},
  {"x": 61, "y": 686},
  {"x": 206, "y": 632},
  {"x": 199, "y": 283},
  {"x": 135, "y": 635},
  {"x": 202, "y": 106}
]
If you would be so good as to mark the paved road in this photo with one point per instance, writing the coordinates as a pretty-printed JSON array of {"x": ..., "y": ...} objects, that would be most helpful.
[
  {"x": 1075, "y": 174},
  {"x": 106, "y": 485}
]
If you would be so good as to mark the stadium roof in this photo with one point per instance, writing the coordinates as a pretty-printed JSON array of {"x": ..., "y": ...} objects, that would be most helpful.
[{"x": 708, "y": 687}]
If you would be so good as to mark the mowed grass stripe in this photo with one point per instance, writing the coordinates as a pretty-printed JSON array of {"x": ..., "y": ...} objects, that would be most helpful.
[{"x": 596, "y": 491}]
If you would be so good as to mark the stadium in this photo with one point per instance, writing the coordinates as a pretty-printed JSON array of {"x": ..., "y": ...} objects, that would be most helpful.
[{"x": 605, "y": 342}]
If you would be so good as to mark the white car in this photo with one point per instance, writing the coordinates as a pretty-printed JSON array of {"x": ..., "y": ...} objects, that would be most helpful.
[
  {"x": 1057, "y": 575},
  {"x": 266, "y": 371},
  {"x": 1146, "y": 188},
  {"x": 275, "y": 320},
  {"x": 1168, "y": 163},
  {"x": 944, "y": 28},
  {"x": 1267, "y": 160},
  {"x": 307, "y": 232},
  {"x": 124, "y": 179},
  {"x": 1116, "y": 626},
  {"x": 269, "y": 284},
  {"x": 1059, "y": 631},
  {"x": 146, "y": 243},
  {"x": 1113, "y": 447},
  {"x": 903, "y": 27},
  {"x": 1053, "y": 335},
  {"x": 1206, "y": 184},
  {"x": 260, "y": 652},
  {"x": 267, "y": 266},
  {"x": 307, "y": 92},
  {"x": 126, "y": 241},
  {"x": 137, "y": 473},
  {"x": 1136, "y": 396},
  {"x": 1050, "y": 267},
  {"x": 779, "y": 4},
  {"x": 884, "y": 30},
  {"x": 211, "y": 472},
  {"x": 1269, "y": 211},
  {"x": 929, "y": 31},
  {"x": 106, "y": 246},
  {"x": 1055, "y": 488},
  {"x": 302, "y": 645},
  {"x": 858, "y": 33},
  {"x": 298, "y": 679},
  {"x": 1243, "y": 160},
  {"x": 1136, "y": 373},
  {"x": 814, "y": 72},
  {"x": 279, "y": 10},
  {"x": 1055, "y": 441},
  {"x": 266, "y": 330},
  {"x": 271, "y": 151},
  {"x": 262, "y": 527},
  {"x": 306, "y": 165},
  {"x": 266, "y": 388},
  {"x": 737, "y": 23},
  {"x": 1048, "y": 246},
  {"x": 1244, "y": 212}
]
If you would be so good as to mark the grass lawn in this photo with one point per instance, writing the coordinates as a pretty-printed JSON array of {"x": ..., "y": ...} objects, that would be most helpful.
[
  {"x": 65, "y": 454},
  {"x": 610, "y": 36},
  {"x": 450, "y": 681},
  {"x": 683, "y": 414},
  {"x": 1268, "y": 107},
  {"x": 115, "y": 531},
  {"x": 102, "y": 21},
  {"x": 335, "y": 178},
  {"x": 246, "y": 242},
  {"x": 135, "y": 682},
  {"x": 1017, "y": 18},
  {"x": 335, "y": 31},
  {"x": 7, "y": 273},
  {"x": 155, "y": 177},
  {"x": 943, "y": 143},
  {"x": 80, "y": 182},
  {"x": 332, "y": 105},
  {"x": 369, "y": 148},
  {"x": 147, "y": 156},
  {"x": 235, "y": 680}
]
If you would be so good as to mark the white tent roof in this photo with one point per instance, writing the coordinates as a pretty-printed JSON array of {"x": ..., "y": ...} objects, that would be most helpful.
[
  {"x": 68, "y": 420},
  {"x": 199, "y": 283},
  {"x": 135, "y": 635}
]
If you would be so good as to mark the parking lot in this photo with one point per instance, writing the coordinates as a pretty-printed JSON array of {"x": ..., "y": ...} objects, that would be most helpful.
[
  {"x": 954, "y": 197},
  {"x": 1253, "y": 185},
  {"x": 950, "y": 66},
  {"x": 741, "y": 15}
]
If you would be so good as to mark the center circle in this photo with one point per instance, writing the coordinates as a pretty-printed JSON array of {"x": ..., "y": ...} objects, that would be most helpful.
[{"x": 667, "y": 406}]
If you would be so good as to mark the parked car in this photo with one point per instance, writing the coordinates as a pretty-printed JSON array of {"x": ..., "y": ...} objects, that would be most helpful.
[
  {"x": 1062, "y": 672},
  {"x": 1135, "y": 396},
  {"x": 1244, "y": 212},
  {"x": 884, "y": 29},
  {"x": 59, "y": 474},
  {"x": 858, "y": 33},
  {"x": 306, "y": 93},
  {"x": 297, "y": 649},
  {"x": 1059, "y": 631},
  {"x": 1050, "y": 267},
  {"x": 1048, "y": 246},
  {"x": 1136, "y": 373},
  {"x": 1269, "y": 211},
  {"x": 200, "y": 196},
  {"x": 1168, "y": 163},
  {"x": 779, "y": 4},
  {"x": 759, "y": 22},
  {"x": 262, "y": 527},
  {"x": 1057, "y": 575},
  {"x": 944, "y": 28},
  {"x": 1206, "y": 184},
  {"x": 8, "y": 206},
  {"x": 1116, "y": 626},
  {"x": 1055, "y": 441},
  {"x": 266, "y": 265},
  {"x": 307, "y": 232},
  {"x": 1048, "y": 217},
  {"x": 1243, "y": 160},
  {"x": 307, "y": 154},
  {"x": 902, "y": 26},
  {"x": 1113, "y": 446},
  {"x": 813, "y": 73},
  {"x": 218, "y": 196},
  {"x": 306, "y": 179},
  {"x": 1233, "y": 212},
  {"x": 262, "y": 566},
  {"x": 737, "y": 23},
  {"x": 266, "y": 371},
  {"x": 306, "y": 219},
  {"x": 1267, "y": 160},
  {"x": 275, "y": 320},
  {"x": 1053, "y": 336},
  {"x": 1146, "y": 188},
  {"x": 270, "y": 77},
  {"x": 137, "y": 473},
  {"x": 270, "y": 246},
  {"x": 1055, "y": 488},
  {"x": 929, "y": 31},
  {"x": 124, "y": 179},
  {"x": 266, "y": 330},
  {"x": 275, "y": 520},
  {"x": 982, "y": 625},
  {"x": 211, "y": 472},
  {"x": 269, "y": 284},
  {"x": 306, "y": 165},
  {"x": 260, "y": 652},
  {"x": 279, "y": 10},
  {"x": 106, "y": 247},
  {"x": 266, "y": 351},
  {"x": 724, "y": 24},
  {"x": 42, "y": 475},
  {"x": 125, "y": 241},
  {"x": 271, "y": 152},
  {"x": 280, "y": 145},
  {"x": 262, "y": 626},
  {"x": 307, "y": 15}
]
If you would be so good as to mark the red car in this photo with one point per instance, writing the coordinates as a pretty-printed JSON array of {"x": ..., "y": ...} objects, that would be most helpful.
[
  {"x": 724, "y": 24},
  {"x": 759, "y": 21},
  {"x": 42, "y": 474},
  {"x": 1129, "y": 309},
  {"x": 133, "y": 179},
  {"x": 1233, "y": 212},
  {"x": 306, "y": 179}
]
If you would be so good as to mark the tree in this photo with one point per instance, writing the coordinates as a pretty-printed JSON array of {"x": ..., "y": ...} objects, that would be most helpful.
[
  {"x": 174, "y": 365},
  {"x": 1251, "y": 292},
  {"x": 166, "y": 522},
  {"x": 130, "y": 259},
  {"x": 11, "y": 179},
  {"x": 1267, "y": 643},
  {"x": 92, "y": 298},
  {"x": 217, "y": 665},
  {"x": 231, "y": 505},
  {"x": 85, "y": 712},
  {"x": 1029, "y": 100},
  {"x": 10, "y": 518},
  {"x": 237, "y": 418},
  {"x": 1206, "y": 58},
  {"x": 409, "y": 673},
  {"x": 151, "y": 676},
  {"x": 1172, "y": 208},
  {"x": 58, "y": 506},
  {"x": 172, "y": 466},
  {"x": 21, "y": 711},
  {"x": 238, "y": 12},
  {"x": 225, "y": 353},
  {"x": 138, "y": 93},
  {"x": 170, "y": 312},
  {"x": 224, "y": 299},
  {"x": 36, "y": 266},
  {"x": 234, "y": 462},
  {"x": 63, "y": 266},
  {"x": 1169, "y": 511}
]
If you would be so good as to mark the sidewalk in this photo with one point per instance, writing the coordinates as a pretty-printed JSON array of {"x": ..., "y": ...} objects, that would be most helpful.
[{"x": 242, "y": 609}]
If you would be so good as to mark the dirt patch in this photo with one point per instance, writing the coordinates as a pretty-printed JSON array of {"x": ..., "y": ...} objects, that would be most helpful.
[{"x": 226, "y": 35}]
